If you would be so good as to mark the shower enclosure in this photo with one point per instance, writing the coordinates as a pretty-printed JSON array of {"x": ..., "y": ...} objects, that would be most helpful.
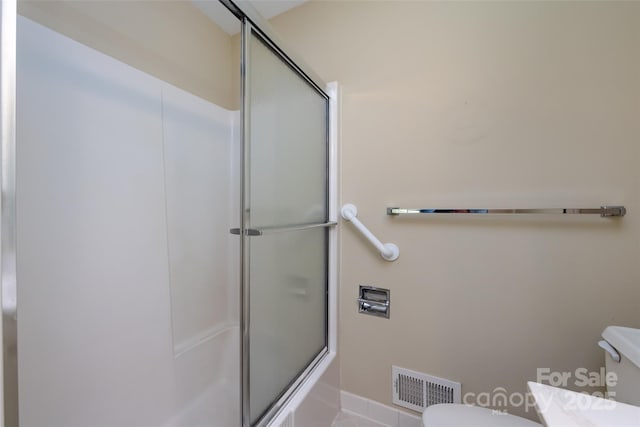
[{"x": 167, "y": 241}]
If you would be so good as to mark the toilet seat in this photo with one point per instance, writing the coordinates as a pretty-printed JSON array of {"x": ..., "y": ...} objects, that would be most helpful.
[{"x": 457, "y": 415}]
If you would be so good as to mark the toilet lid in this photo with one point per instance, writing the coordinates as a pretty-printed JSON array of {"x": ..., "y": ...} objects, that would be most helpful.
[{"x": 457, "y": 415}]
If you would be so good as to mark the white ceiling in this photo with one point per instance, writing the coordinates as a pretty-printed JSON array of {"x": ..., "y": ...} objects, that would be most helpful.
[{"x": 230, "y": 24}]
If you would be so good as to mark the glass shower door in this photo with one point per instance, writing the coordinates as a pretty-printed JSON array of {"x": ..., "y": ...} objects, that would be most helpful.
[{"x": 285, "y": 226}]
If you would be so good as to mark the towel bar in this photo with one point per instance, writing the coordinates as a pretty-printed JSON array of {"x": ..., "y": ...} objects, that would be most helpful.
[{"x": 603, "y": 211}]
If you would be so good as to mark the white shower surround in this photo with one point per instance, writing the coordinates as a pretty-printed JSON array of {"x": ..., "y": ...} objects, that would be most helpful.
[
  {"x": 120, "y": 126},
  {"x": 128, "y": 276}
]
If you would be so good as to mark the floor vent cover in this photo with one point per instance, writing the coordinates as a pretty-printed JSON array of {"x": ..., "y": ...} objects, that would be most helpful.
[{"x": 416, "y": 391}]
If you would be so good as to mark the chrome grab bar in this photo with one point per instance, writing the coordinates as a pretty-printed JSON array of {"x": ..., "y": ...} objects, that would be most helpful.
[{"x": 603, "y": 211}]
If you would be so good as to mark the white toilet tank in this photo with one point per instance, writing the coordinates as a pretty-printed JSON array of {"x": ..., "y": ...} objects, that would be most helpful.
[{"x": 626, "y": 342}]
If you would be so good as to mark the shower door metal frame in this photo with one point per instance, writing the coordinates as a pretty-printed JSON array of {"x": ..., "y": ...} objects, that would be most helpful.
[
  {"x": 249, "y": 31},
  {"x": 9, "y": 392},
  {"x": 252, "y": 22},
  {"x": 8, "y": 38}
]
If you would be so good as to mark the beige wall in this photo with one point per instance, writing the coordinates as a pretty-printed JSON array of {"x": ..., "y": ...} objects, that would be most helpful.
[
  {"x": 478, "y": 104},
  {"x": 171, "y": 40},
  {"x": 450, "y": 104}
]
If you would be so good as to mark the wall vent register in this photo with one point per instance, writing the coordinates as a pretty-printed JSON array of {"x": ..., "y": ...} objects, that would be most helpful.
[{"x": 417, "y": 391}]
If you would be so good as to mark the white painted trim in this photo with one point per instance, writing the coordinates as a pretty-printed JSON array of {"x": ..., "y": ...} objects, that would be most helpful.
[
  {"x": 377, "y": 412},
  {"x": 334, "y": 205}
]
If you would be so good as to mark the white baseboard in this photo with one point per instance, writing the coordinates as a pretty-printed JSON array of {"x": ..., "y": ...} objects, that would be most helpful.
[{"x": 377, "y": 412}]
